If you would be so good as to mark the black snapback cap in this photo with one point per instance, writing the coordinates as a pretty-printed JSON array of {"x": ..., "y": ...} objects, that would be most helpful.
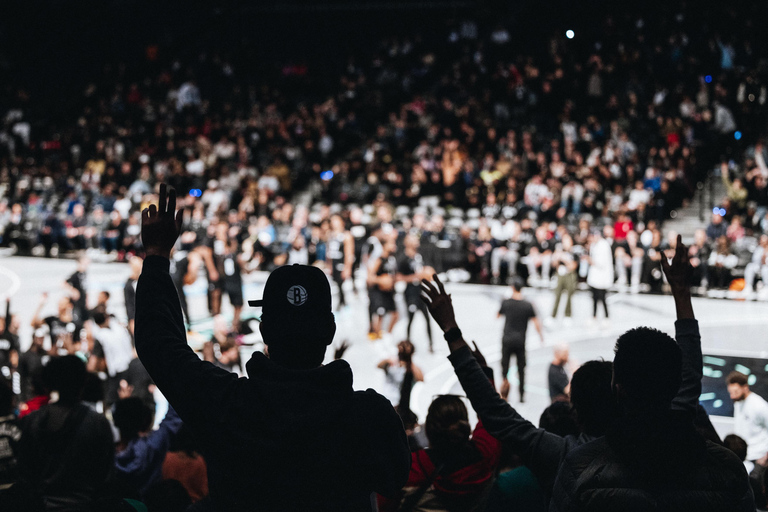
[{"x": 296, "y": 291}]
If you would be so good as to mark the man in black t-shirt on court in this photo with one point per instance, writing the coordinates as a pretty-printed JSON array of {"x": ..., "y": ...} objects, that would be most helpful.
[{"x": 517, "y": 312}]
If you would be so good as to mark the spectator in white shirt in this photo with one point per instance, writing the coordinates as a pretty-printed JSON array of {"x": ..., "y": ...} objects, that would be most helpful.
[
  {"x": 113, "y": 353},
  {"x": 750, "y": 414}
]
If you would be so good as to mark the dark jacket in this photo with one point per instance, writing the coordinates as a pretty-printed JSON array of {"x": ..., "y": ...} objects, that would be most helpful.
[
  {"x": 281, "y": 439},
  {"x": 652, "y": 464},
  {"x": 542, "y": 451},
  {"x": 67, "y": 455}
]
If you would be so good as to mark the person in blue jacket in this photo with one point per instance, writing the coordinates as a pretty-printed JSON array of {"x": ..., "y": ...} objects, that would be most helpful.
[{"x": 141, "y": 451}]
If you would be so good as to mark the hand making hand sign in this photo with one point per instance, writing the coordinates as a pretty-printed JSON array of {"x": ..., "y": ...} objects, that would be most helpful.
[{"x": 161, "y": 224}]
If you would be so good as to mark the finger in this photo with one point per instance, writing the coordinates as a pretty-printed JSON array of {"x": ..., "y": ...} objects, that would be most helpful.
[
  {"x": 172, "y": 201},
  {"x": 179, "y": 220},
  {"x": 428, "y": 287},
  {"x": 665, "y": 264},
  {"x": 426, "y": 299},
  {"x": 161, "y": 206},
  {"x": 152, "y": 210},
  {"x": 474, "y": 343},
  {"x": 439, "y": 284},
  {"x": 144, "y": 215},
  {"x": 679, "y": 248}
]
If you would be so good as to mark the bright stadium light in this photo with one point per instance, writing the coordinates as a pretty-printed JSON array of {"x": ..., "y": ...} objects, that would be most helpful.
[{"x": 569, "y": 34}]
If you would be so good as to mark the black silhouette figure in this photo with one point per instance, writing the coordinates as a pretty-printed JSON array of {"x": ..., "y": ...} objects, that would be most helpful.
[
  {"x": 292, "y": 436},
  {"x": 593, "y": 398}
]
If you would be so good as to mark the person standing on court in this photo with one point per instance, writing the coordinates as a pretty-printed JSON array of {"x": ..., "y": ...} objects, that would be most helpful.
[
  {"x": 293, "y": 435},
  {"x": 600, "y": 275},
  {"x": 517, "y": 312}
]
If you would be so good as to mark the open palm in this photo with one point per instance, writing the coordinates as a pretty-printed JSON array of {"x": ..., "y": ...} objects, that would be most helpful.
[{"x": 161, "y": 224}]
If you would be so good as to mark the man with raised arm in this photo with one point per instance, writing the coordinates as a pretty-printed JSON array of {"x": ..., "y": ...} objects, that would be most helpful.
[
  {"x": 293, "y": 435},
  {"x": 591, "y": 394}
]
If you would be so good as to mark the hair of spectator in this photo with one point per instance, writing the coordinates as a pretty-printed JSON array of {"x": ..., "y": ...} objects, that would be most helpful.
[
  {"x": 131, "y": 417},
  {"x": 592, "y": 397},
  {"x": 559, "y": 418},
  {"x": 647, "y": 367},
  {"x": 66, "y": 375},
  {"x": 737, "y": 378},
  {"x": 447, "y": 426},
  {"x": 99, "y": 315},
  {"x": 737, "y": 445}
]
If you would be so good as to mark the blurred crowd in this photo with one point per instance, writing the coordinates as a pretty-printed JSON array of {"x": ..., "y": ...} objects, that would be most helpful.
[{"x": 490, "y": 153}]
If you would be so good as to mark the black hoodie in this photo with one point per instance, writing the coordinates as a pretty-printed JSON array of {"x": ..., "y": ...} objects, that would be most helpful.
[{"x": 281, "y": 439}]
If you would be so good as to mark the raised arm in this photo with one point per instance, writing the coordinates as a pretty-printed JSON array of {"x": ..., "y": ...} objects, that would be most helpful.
[
  {"x": 686, "y": 328},
  {"x": 540, "y": 450},
  {"x": 192, "y": 386}
]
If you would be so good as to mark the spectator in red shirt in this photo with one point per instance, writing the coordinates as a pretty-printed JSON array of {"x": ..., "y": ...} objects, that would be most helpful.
[
  {"x": 456, "y": 468},
  {"x": 622, "y": 226}
]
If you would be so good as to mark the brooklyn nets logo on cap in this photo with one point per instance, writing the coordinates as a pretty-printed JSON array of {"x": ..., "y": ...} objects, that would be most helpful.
[{"x": 297, "y": 295}]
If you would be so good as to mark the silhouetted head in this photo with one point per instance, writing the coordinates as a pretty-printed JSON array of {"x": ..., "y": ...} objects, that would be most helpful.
[
  {"x": 592, "y": 397},
  {"x": 559, "y": 418},
  {"x": 517, "y": 284},
  {"x": 738, "y": 386},
  {"x": 67, "y": 376},
  {"x": 132, "y": 417},
  {"x": 737, "y": 445},
  {"x": 447, "y": 426},
  {"x": 646, "y": 370},
  {"x": 297, "y": 323}
]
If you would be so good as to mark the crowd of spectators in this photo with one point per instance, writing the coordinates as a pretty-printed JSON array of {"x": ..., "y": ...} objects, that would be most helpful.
[
  {"x": 493, "y": 154},
  {"x": 470, "y": 157}
]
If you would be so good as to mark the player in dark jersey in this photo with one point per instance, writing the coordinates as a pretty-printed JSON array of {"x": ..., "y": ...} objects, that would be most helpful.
[
  {"x": 339, "y": 254},
  {"x": 230, "y": 271},
  {"x": 411, "y": 270},
  {"x": 381, "y": 281},
  {"x": 517, "y": 312}
]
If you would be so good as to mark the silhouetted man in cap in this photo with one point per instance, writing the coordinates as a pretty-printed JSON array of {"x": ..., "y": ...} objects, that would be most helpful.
[{"x": 292, "y": 436}]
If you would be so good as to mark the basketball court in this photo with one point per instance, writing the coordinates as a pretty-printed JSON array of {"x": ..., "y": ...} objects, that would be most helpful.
[{"x": 734, "y": 333}]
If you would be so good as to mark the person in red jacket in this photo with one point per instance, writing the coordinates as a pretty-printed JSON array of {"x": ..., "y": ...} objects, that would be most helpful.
[{"x": 456, "y": 469}]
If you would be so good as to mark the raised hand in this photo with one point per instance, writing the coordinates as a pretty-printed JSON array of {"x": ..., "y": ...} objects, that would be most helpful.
[
  {"x": 161, "y": 224},
  {"x": 439, "y": 303},
  {"x": 678, "y": 272}
]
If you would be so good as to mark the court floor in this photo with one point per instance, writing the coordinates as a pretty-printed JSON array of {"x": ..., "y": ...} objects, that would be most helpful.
[{"x": 736, "y": 329}]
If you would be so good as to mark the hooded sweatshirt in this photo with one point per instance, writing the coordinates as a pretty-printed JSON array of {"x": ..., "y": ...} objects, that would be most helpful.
[
  {"x": 281, "y": 439},
  {"x": 67, "y": 454}
]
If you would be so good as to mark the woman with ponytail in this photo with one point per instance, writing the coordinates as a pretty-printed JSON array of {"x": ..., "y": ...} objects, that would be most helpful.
[{"x": 455, "y": 473}]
